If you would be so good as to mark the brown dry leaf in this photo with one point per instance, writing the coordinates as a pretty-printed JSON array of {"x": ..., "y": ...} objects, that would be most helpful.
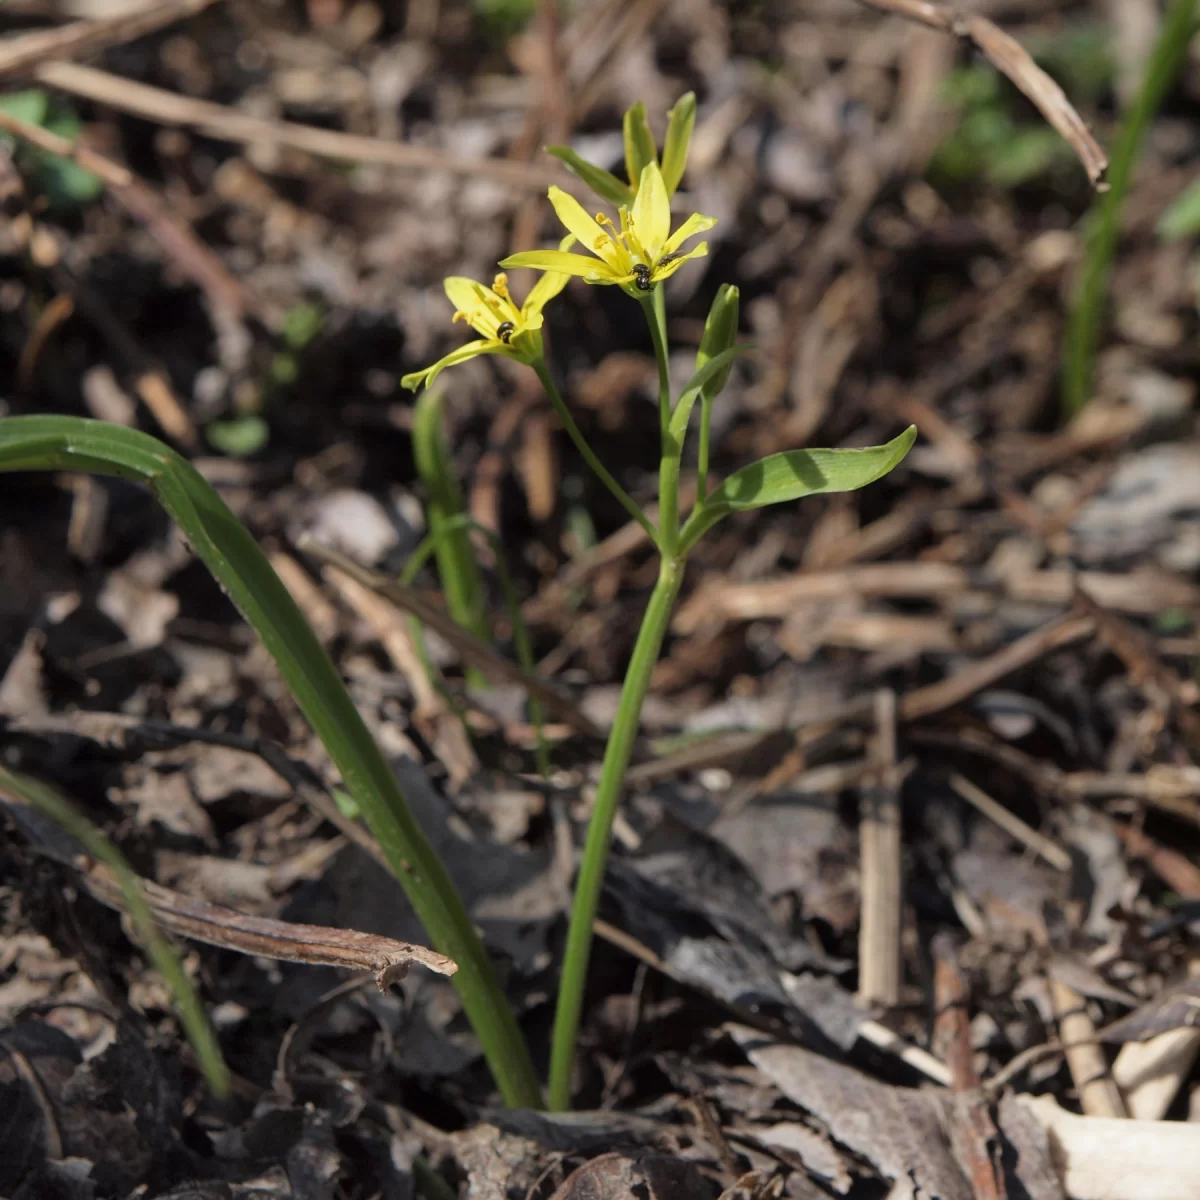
[
  {"x": 655, "y": 1177},
  {"x": 900, "y": 1131}
]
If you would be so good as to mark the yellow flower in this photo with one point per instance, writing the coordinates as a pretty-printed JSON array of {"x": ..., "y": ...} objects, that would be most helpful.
[
  {"x": 640, "y": 254},
  {"x": 490, "y": 311}
]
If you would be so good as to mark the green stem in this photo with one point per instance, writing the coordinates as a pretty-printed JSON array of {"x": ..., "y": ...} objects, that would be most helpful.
[
  {"x": 589, "y": 455},
  {"x": 595, "y": 852},
  {"x": 706, "y": 406},
  {"x": 1083, "y": 328},
  {"x": 672, "y": 447}
]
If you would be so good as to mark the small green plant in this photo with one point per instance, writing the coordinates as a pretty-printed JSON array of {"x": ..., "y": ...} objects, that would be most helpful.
[
  {"x": 64, "y": 183},
  {"x": 191, "y": 1012},
  {"x": 247, "y": 432},
  {"x": 636, "y": 253},
  {"x": 1104, "y": 223}
]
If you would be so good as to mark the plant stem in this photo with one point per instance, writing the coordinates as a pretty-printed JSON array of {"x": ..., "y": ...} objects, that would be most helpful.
[
  {"x": 589, "y": 455},
  {"x": 706, "y": 407},
  {"x": 595, "y": 853},
  {"x": 1083, "y": 328},
  {"x": 668, "y": 470}
]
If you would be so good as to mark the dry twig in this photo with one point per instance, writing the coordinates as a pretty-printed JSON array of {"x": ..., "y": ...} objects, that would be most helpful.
[
  {"x": 388, "y": 959},
  {"x": 229, "y": 125},
  {"x": 882, "y": 892},
  {"x": 1098, "y": 1093},
  {"x": 1008, "y": 56},
  {"x": 473, "y": 652}
]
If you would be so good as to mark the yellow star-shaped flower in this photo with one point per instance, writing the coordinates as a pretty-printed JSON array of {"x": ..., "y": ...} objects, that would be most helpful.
[
  {"x": 490, "y": 311},
  {"x": 641, "y": 253}
]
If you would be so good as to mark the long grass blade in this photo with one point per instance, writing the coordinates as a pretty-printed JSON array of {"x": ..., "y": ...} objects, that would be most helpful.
[
  {"x": 69, "y": 443},
  {"x": 191, "y": 1012}
]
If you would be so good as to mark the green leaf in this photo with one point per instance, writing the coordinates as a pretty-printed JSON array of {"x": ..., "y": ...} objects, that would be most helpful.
[
  {"x": 604, "y": 183},
  {"x": 1182, "y": 216},
  {"x": 444, "y": 510},
  {"x": 301, "y": 323},
  {"x": 793, "y": 475},
  {"x": 29, "y": 106},
  {"x": 231, "y": 554},
  {"x": 695, "y": 386},
  {"x": 720, "y": 333},
  {"x": 640, "y": 150},
  {"x": 680, "y": 122},
  {"x": 191, "y": 1012},
  {"x": 239, "y": 437}
]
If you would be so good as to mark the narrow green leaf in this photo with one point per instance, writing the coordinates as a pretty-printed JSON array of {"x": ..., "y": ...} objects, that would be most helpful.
[
  {"x": 191, "y": 1012},
  {"x": 228, "y": 550},
  {"x": 640, "y": 150},
  {"x": 444, "y": 509},
  {"x": 695, "y": 386},
  {"x": 1084, "y": 322},
  {"x": 604, "y": 183},
  {"x": 793, "y": 475},
  {"x": 720, "y": 332},
  {"x": 680, "y": 122}
]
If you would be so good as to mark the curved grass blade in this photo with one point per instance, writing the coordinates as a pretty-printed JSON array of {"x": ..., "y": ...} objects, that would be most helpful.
[
  {"x": 191, "y": 1012},
  {"x": 1104, "y": 229},
  {"x": 74, "y": 444}
]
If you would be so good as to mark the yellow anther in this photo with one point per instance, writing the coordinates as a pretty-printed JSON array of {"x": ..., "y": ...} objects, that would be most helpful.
[
  {"x": 459, "y": 316},
  {"x": 500, "y": 285}
]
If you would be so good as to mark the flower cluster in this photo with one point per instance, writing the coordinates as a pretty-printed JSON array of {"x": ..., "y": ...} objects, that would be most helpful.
[{"x": 636, "y": 252}]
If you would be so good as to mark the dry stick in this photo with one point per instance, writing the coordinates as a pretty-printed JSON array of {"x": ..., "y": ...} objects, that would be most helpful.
[
  {"x": 972, "y": 1131},
  {"x": 82, "y": 37},
  {"x": 1039, "y": 843},
  {"x": 1098, "y": 1092},
  {"x": 1151, "y": 1073},
  {"x": 937, "y": 696},
  {"x": 388, "y": 959},
  {"x": 227, "y": 124},
  {"x": 1009, "y": 57},
  {"x": 432, "y": 713},
  {"x": 473, "y": 652},
  {"x": 882, "y": 895},
  {"x": 1121, "y": 1160}
]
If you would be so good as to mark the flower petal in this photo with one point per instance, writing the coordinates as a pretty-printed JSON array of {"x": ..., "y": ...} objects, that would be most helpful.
[
  {"x": 462, "y": 354},
  {"x": 594, "y": 270},
  {"x": 651, "y": 212},
  {"x": 693, "y": 225},
  {"x": 549, "y": 284},
  {"x": 571, "y": 213},
  {"x": 471, "y": 297},
  {"x": 668, "y": 269}
]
